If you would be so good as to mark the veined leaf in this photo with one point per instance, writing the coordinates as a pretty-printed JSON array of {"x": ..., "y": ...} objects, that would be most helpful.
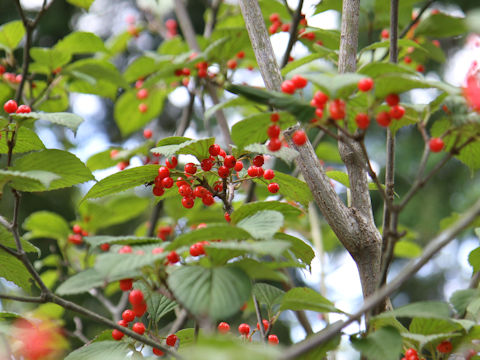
[
  {"x": 43, "y": 177},
  {"x": 293, "y": 188},
  {"x": 51, "y": 58},
  {"x": 72, "y": 121},
  {"x": 6, "y": 238},
  {"x": 424, "y": 309},
  {"x": 285, "y": 153},
  {"x": 157, "y": 304},
  {"x": 263, "y": 224},
  {"x": 300, "y": 249},
  {"x": 306, "y": 299},
  {"x": 11, "y": 34},
  {"x": 383, "y": 344},
  {"x": 176, "y": 145},
  {"x": 251, "y": 208},
  {"x": 27, "y": 140},
  {"x": 79, "y": 42},
  {"x": 13, "y": 270},
  {"x": 213, "y": 232},
  {"x": 101, "y": 350},
  {"x": 85, "y": 4},
  {"x": 268, "y": 294},
  {"x": 132, "y": 240},
  {"x": 214, "y": 292},
  {"x": 441, "y": 25},
  {"x": 46, "y": 224}
]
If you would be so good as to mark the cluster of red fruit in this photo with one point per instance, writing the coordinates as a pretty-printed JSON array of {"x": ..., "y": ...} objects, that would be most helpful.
[
  {"x": 218, "y": 161},
  {"x": 274, "y": 143},
  {"x": 77, "y": 237},
  {"x": 142, "y": 94},
  {"x": 11, "y": 106},
  {"x": 445, "y": 347},
  {"x": 171, "y": 25},
  {"x": 244, "y": 330},
  {"x": 384, "y": 118},
  {"x": 10, "y": 77},
  {"x": 232, "y": 63}
]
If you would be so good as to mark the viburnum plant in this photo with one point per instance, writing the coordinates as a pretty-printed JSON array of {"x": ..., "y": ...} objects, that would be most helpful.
[{"x": 209, "y": 274}]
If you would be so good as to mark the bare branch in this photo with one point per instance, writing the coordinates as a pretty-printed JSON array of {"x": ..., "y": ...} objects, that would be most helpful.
[
  {"x": 297, "y": 16},
  {"x": 259, "y": 317}
]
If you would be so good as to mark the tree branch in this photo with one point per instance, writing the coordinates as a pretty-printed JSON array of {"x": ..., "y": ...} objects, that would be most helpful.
[
  {"x": 434, "y": 246},
  {"x": 293, "y": 33}
]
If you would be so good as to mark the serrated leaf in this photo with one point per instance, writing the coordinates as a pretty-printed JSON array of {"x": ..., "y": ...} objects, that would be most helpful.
[
  {"x": 263, "y": 224},
  {"x": 157, "y": 304},
  {"x": 427, "y": 326},
  {"x": 303, "y": 298},
  {"x": 407, "y": 249},
  {"x": 268, "y": 294},
  {"x": 251, "y": 208},
  {"x": 26, "y": 140},
  {"x": 300, "y": 62},
  {"x": 215, "y": 292},
  {"x": 45, "y": 178},
  {"x": 285, "y": 153},
  {"x": 13, "y": 270},
  {"x": 62, "y": 163},
  {"x": 72, "y": 121},
  {"x": 126, "y": 113},
  {"x": 101, "y": 350},
  {"x": 461, "y": 298},
  {"x": 80, "y": 42},
  {"x": 474, "y": 259},
  {"x": 176, "y": 145},
  {"x": 383, "y": 344},
  {"x": 328, "y": 152},
  {"x": 213, "y": 232},
  {"x": 11, "y": 34},
  {"x": 293, "y": 188},
  {"x": 399, "y": 83},
  {"x": 259, "y": 270},
  {"x": 423, "y": 309},
  {"x": 85, "y": 4},
  {"x": 424, "y": 340},
  {"x": 46, "y": 224},
  {"x": 441, "y": 25},
  {"x": 297, "y": 107},
  {"x": 98, "y": 70},
  {"x": 101, "y": 160},
  {"x": 300, "y": 249},
  {"x": 51, "y": 58},
  {"x": 123, "y": 180},
  {"x": 131, "y": 240}
]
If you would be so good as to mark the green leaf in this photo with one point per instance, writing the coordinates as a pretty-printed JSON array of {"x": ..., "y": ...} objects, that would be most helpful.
[
  {"x": 85, "y": 4},
  {"x": 180, "y": 145},
  {"x": 98, "y": 70},
  {"x": 320, "y": 352},
  {"x": 44, "y": 178},
  {"x": 300, "y": 62},
  {"x": 303, "y": 298},
  {"x": 51, "y": 58},
  {"x": 386, "y": 44},
  {"x": 423, "y": 309},
  {"x": 474, "y": 259},
  {"x": 79, "y": 42},
  {"x": 259, "y": 270},
  {"x": 123, "y": 180},
  {"x": 11, "y": 34},
  {"x": 461, "y": 298},
  {"x": 268, "y": 294},
  {"x": 399, "y": 83},
  {"x": 251, "y": 208},
  {"x": 213, "y": 232},
  {"x": 293, "y": 188},
  {"x": 6, "y": 238},
  {"x": 186, "y": 337},
  {"x": 300, "y": 249},
  {"x": 375, "y": 69},
  {"x": 131, "y": 240},
  {"x": 253, "y": 129},
  {"x": 297, "y": 107},
  {"x": 72, "y": 121},
  {"x": 337, "y": 86},
  {"x": 101, "y": 160},
  {"x": 328, "y": 152},
  {"x": 62, "y": 163},
  {"x": 215, "y": 292},
  {"x": 27, "y": 140},
  {"x": 383, "y": 344},
  {"x": 441, "y": 25},
  {"x": 285, "y": 153},
  {"x": 263, "y": 224},
  {"x": 46, "y": 224},
  {"x": 157, "y": 305},
  {"x": 13, "y": 270},
  {"x": 426, "y": 326},
  {"x": 102, "y": 350},
  {"x": 126, "y": 113},
  {"x": 407, "y": 249}
]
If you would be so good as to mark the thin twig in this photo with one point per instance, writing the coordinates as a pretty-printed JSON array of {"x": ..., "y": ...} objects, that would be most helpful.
[
  {"x": 416, "y": 19},
  {"x": 293, "y": 33},
  {"x": 28, "y": 299},
  {"x": 212, "y": 21},
  {"x": 259, "y": 317}
]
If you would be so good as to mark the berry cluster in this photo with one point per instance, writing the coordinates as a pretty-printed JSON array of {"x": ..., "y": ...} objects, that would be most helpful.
[
  {"x": 10, "y": 77},
  {"x": 172, "y": 28},
  {"x": 11, "y": 107},
  {"x": 245, "y": 331},
  {"x": 77, "y": 237}
]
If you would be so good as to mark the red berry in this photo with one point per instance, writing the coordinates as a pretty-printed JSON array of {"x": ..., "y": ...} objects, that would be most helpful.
[
  {"x": 158, "y": 352},
  {"x": 125, "y": 250},
  {"x": 190, "y": 168},
  {"x": 126, "y": 284},
  {"x": 117, "y": 334},
  {"x": 411, "y": 353},
  {"x": 188, "y": 202},
  {"x": 238, "y": 166},
  {"x": 142, "y": 94},
  {"x": 319, "y": 113},
  {"x": 128, "y": 315},
  {"x": 273, "y": 131},
  {"x": 214, "y": 149},
  {"x": 223, "y": 171},
  {"x": 385, "y": 34},
  {"x": 77, "y": 229},
  {"x": 200, "y": 191},
  {"x": 232, "y": 64},
  {"x": 407, "y": 60},
  {"x": 273, "y": 188},
  {"x": 392, "y": 99},
  {"x": 163, "y": 172},
  {"x": 299, "y": 137},
  {"x": 320, "y": 99},
  {"x": 265, "y": 323},
  {"x": 362, "y": 121},
  {"x": 365, "y": 84},
  {"x": 142, "y": 107},
  {"x": 274, "y": 145},
  {"x": 171, "y": 24},
  {"x": 229, "y": 161},
  {"x": 258, "y": 160},
  {"x": 167, "y": 182},
  {"x": 208, "y": 199},
  {"x": 273, "y": 339},
  {"x": 299, "y": 81},
  {"x": 384, "y": 119},
  {"x": 436, "y": 43},
  {"x": 274, "y": 117},
  {"x": 397, "y": 112},
  {"x": 337, "y": 109},
  {"x": 23, "y": 109},
  {"x": 252, "y": 171},
  {"x": 288, "y": 87},
  {"x": 218, "y": 186},
  {"x": 197, "y": 249},
  {"x": 171, "y": 340},
  {"x": 269, "y": 174},
  {"x": 139, "y": 328},
  {"x": 172, "y": 163},
  {"x": 147, "y": 133},
  {"x": 274, "y": 17},
  {"x": 420, "y": 68},
  {"x": 185, "y": 190},
  {"x": 244, "y": 329},
  {"x": 135, "y": 297},
  {"x": 223, "y": 327},
  {"x": 75, "y": 239},
  {"x": 105, "y": 247},
  {"x": 139, "y": 309},
  {"x": 173, "y": 257},
  {"x": 122, "y": 323},
  {"x": 227, "y": 217},
  {"x": 10, "y": 106},
  {"x": 436, "y": 144},
  {"x": 158, "y": 190},
  {"x": 240, "y": 54},
  {"x": 206, "y": 164}
]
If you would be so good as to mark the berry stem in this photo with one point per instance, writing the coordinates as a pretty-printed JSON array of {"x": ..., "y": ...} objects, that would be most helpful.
[{"x": 259, "y": 318}]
